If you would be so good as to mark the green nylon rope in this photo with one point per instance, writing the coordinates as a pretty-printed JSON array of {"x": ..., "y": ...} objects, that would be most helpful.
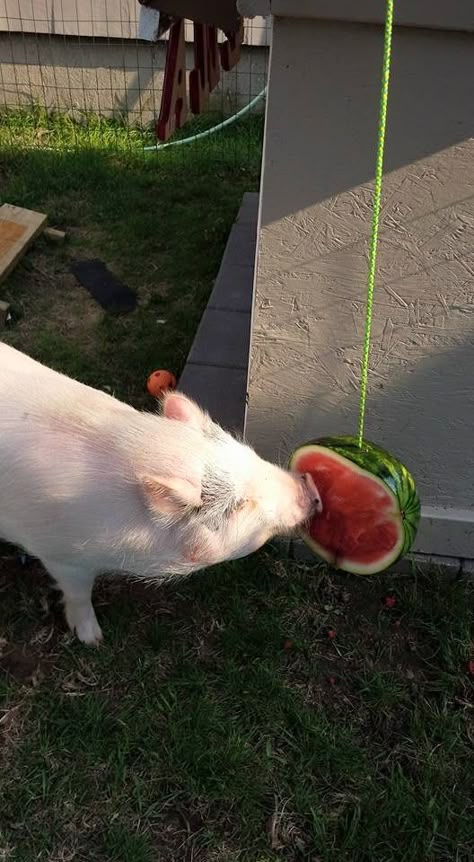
[{"x": 375, "y": 217}]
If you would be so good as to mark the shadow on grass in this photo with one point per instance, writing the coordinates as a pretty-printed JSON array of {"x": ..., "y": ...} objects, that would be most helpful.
[
  {"x": 159, "y": 221},
  {"x": 219, "y": 722}
]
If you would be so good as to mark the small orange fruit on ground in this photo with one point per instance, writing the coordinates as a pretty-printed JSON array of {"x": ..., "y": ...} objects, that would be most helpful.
[{"x": 159, "y": 381}]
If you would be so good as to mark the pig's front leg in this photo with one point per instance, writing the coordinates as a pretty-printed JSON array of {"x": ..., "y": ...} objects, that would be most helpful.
[{"x": 76, "y": 585}]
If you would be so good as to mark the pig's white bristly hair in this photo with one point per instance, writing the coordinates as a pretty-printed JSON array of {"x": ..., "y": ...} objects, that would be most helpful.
[
  {"x": 207, "y": 454},
  {"x": 87, "y": 476},
  {"x": 216, "y": 462},
  {"x": 216, "y": 454}
]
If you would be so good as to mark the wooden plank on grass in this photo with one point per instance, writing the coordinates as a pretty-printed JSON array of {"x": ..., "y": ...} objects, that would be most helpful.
[{"x": 18, "y": 228}]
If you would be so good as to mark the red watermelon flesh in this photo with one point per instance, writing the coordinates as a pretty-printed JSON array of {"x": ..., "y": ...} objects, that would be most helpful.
[{"x": 360, "y": 528}]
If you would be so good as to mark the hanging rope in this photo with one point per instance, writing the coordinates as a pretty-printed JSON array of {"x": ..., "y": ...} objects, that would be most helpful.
[{"x": 375, "y": 218}]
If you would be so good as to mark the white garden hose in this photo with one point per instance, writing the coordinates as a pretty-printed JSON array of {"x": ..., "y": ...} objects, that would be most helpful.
[{"x": 212, "y": 130}]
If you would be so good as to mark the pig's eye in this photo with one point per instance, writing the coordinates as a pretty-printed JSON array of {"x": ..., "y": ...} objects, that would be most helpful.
[
  {"x": 221, "y": 506},
  {"x": 243, "y": 504},
  {"x": 234, "y": 508}
]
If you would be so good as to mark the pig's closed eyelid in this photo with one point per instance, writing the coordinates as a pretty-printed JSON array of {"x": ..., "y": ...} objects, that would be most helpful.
[
  {"x": 236, "y": 508},
  {"x": 244, "y": 504}
]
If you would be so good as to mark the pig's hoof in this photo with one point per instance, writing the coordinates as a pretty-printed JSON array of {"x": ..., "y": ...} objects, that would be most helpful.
[
  {"x": 89, "y": 632},
  {"x": 82, "y": 620},
  {"x": 86, "y": 627}
]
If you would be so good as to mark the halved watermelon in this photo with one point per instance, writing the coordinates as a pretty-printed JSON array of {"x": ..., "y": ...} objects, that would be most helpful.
[{"x": 371, "y": 508}]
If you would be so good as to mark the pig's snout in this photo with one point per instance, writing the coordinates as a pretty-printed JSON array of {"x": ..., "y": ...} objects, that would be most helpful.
[
  {"x": 308, "y": 496},
  {"x": 313, "y": 492}
]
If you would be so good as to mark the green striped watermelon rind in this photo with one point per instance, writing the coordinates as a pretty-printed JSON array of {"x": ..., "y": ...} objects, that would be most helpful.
[{"x": 384, "y": 466}]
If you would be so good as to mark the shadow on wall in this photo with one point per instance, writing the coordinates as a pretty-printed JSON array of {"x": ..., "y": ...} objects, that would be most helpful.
[
  {"x": 404, "y": 429},
  {"x": 430, "y": 106},
  {"x": 309, "y": 307},
  {"x": 310, "y": 314}
]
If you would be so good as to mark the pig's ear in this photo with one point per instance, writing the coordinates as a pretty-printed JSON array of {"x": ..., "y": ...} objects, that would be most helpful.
[
  {"x": 170, "y": 496},
  {"x": 180, "y": 408}
]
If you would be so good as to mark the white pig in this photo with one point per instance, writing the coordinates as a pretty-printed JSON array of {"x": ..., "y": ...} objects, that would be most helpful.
[{"x": 91, "y": 486}]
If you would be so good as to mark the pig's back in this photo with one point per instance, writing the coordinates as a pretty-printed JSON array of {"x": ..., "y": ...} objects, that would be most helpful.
[
  {"x": 61, "y": 462},
  {"x": 71, "y": 458},
  {"x": 25, "y": 383}
]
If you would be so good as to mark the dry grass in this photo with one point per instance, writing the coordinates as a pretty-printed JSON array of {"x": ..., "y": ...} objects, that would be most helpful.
[
  {"x": 160, "y": 223},
  {"x": 220, "y": 722}
]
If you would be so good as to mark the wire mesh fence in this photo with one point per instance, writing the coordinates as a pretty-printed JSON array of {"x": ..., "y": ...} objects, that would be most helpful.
[{"x": 76, "y": 73}]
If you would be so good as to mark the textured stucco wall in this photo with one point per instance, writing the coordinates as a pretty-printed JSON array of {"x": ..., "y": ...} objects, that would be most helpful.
[
  {"x": 315, "y": 216},
  {"x": 437, "y": 14}
]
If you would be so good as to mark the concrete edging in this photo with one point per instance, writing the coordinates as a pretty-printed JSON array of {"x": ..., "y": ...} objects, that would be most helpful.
[{"x": 215, "y": 374}]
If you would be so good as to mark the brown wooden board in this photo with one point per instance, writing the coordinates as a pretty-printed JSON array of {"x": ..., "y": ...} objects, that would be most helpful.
[
  {"x": 230, "y": 49},
  {"x": 18, "y": 228},
  {"x": 213, "y": 58},
  {"x": 174, "y": 107},
  {"x": 206, "y": 72},
  {"x": 199, "y": 76}
]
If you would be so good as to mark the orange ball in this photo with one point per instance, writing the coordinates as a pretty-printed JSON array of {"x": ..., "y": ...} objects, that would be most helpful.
[{"x": 159, "y": 381}]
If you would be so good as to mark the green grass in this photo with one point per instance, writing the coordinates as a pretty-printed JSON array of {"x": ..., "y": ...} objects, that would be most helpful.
[
  {"x": 158, "y": 221},
  {"x": 36, "y": 128},
  {"x": 219, "y": 722}
]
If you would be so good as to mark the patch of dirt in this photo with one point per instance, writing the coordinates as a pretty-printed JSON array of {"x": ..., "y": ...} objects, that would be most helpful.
[
  {"x": 32, "y": 623},
  {"x": 51, "y": 297},
  {"x": 37, "y": 626},
  {"x": 22, "y": 664},
  {"x": 346, "y": 630}
]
